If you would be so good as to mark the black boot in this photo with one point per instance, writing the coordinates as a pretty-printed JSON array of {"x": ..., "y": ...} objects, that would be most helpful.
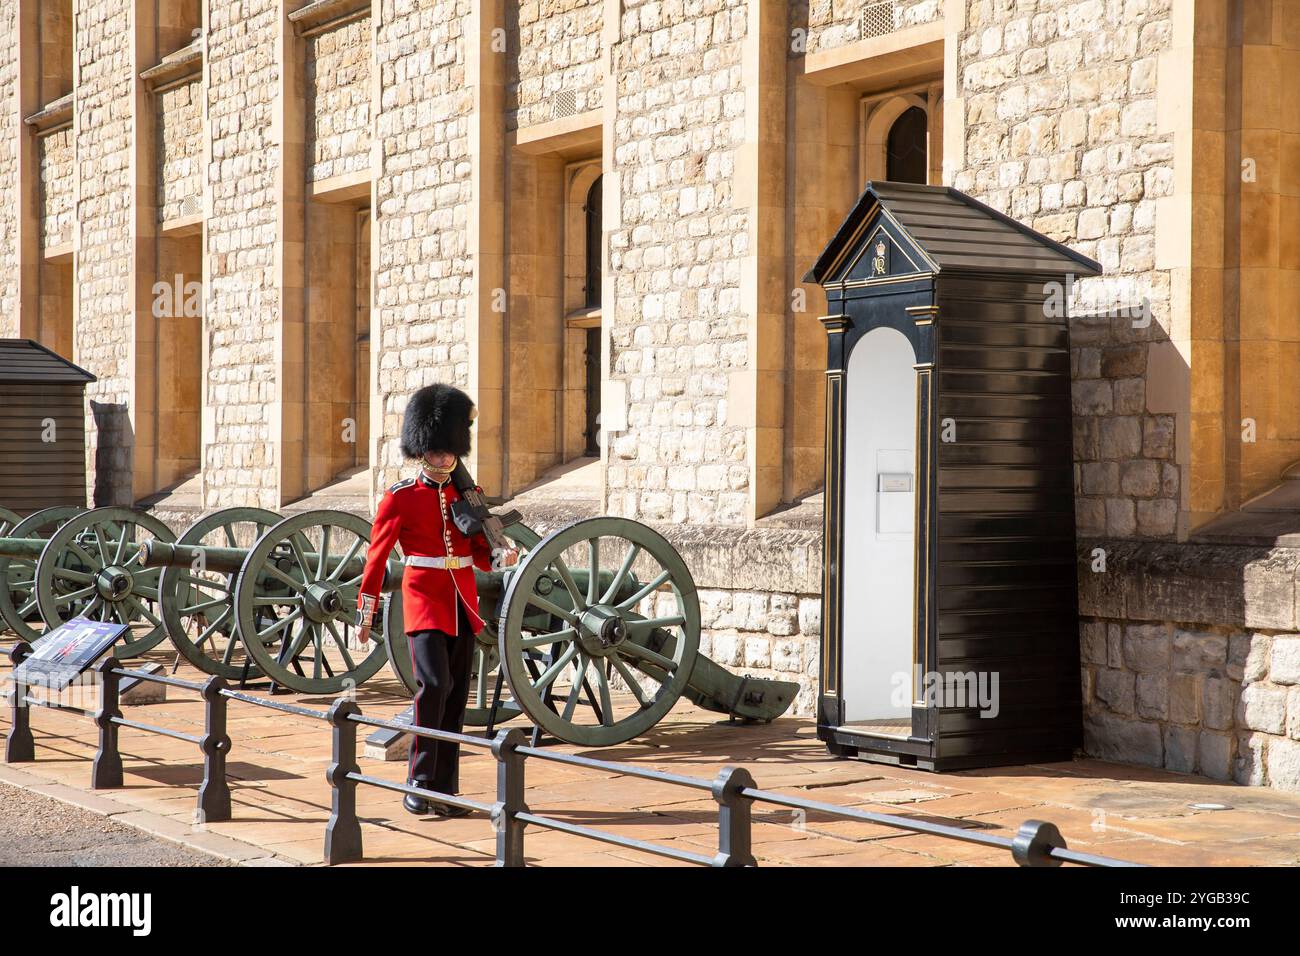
[
  {"x": 413, "y": 803},
  {"x": 447, "y": 810}
]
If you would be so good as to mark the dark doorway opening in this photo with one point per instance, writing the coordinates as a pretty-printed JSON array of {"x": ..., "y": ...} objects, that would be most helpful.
[{"x": 906, "y": 159}]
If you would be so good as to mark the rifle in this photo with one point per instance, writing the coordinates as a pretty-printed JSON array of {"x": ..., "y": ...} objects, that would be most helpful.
[{"x": 472, "y": 515}]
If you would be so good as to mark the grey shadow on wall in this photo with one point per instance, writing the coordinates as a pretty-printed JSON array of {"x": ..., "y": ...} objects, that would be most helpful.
[{"x": 114, "y": 440}]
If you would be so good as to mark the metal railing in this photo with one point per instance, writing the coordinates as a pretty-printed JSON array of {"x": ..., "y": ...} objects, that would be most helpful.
[
  {"x": 733, "y": 789},
  {"x": 106, "y": 767}
]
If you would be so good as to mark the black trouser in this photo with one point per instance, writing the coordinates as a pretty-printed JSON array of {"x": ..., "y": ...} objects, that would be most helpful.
[{"x": 441, "y": 663}]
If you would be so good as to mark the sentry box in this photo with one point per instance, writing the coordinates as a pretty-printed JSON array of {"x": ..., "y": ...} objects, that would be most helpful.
[
  {"x": 950, "y": 634},
  {"x": 42, "y": 428}
]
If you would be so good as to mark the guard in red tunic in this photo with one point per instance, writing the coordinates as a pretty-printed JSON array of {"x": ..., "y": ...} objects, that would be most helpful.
[{"x": 439, "y": 597}]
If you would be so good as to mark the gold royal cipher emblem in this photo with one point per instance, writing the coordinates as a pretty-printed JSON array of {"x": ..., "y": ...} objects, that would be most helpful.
[{"x": 880, "y": 262}]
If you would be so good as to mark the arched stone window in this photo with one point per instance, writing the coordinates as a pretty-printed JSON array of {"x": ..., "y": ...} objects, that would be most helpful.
[{"x": 901, "y": 136}]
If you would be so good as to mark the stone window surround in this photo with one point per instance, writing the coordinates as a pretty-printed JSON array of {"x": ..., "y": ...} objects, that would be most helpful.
[
  {"x": 877, "y": 114},
  {"x": 579, "y": 176},
  {"x": 577, "y": 141}
]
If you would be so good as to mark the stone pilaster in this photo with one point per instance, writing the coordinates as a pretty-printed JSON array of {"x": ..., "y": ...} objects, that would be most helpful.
[
  {"x": 105, "y": 292},
  {"x": 485, "y": 67},
  {"x": 243, "y": 265}
]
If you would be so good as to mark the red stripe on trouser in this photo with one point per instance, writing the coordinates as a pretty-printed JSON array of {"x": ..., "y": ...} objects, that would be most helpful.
[{"x": 415, "y": 691}]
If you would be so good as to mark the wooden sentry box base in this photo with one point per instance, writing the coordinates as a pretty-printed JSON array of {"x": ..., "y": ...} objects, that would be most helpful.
[{"x": 918, "y": 753}]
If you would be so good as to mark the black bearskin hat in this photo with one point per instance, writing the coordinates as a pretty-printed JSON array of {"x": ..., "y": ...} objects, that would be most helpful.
[{"x": 437, "y": 419}]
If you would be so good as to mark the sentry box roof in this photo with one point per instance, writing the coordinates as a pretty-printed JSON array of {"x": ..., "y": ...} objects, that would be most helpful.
[
  {"x": 949, "y": 232},
  {"x": 28, "y": 362}
]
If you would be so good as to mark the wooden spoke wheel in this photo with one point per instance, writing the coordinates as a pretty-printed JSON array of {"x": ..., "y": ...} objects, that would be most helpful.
[
  {"x": 91, "y": 568},
  {"x": 7, "y": 520},
  {"x": 486, "y": 659},
  {"x": 618, "y": 649},
  {"x": 18, "y": 575},
  {"x": 198, "y": 604},
  {"x": 296, "y": 603}
]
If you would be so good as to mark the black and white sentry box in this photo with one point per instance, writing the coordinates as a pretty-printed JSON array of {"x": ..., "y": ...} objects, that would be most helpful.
[{"x": 950, "y": 634}]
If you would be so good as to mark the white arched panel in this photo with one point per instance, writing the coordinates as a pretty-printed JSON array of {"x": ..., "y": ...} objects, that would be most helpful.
[{"x": 878, "y": 565}]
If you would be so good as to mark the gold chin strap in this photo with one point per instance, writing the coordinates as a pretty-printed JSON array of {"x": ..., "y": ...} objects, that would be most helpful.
[{"x": 437, "y": 474}]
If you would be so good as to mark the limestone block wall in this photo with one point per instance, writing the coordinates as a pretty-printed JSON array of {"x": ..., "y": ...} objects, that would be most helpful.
[
  {"x": 678, "y": 328},
  {"x": 242, "y": 295},
  {"x": 558, "y": 52},
  {"x": 338, "y": 64},
  {"x": 9, "y": 202},
  {"x": 1058, "y": 110},
  {"x": 104, "y": 331},
  {"x": 760, "y": 601},
  {"x": 422, "y": 269},
  {"x": 57, "y": 157},
  {"x": 180, "y": 150},
  {"x": 765, "y": 634},
  {"x": 830, "y": 23},
  {"x": 1191, "y": 660}
]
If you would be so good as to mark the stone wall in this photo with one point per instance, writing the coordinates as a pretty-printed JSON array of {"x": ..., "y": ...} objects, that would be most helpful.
[
  {"x": 243, "y": 294},
  {"x": 678, "y": 329},
  {"x": 830, "y": 23},
  {"x": 104, "y": 330},
  {"x": 760, "y": 600},
  {"x": 1191, "y": 660},
  {"x": 1060, "y": 132},
  {"x": 57, "y": 158},
  {"x": 10, "y": 127},
  {"x": 557, "y": 49},
  {"x": 338, "y": 64},
  {"x": 422, "y": 270},
  {"x": 180, "y": 150},
  {"x": 765, "y": 634}
]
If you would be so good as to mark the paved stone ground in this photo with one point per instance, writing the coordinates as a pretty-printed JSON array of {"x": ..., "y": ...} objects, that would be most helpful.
[
  {"x": 281, "y": 799},
  {"x": 36, "y": 830}
]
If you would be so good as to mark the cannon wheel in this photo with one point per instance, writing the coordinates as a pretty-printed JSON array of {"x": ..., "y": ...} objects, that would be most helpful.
[
  {"x": 486, "y": 658},
  {"x": 91, "y": 568},
  {"x": 594, "y": 638},
  {"x": 8, "y": 521},
  {"x": 18, "y": 575},
  {"x": 296, "y": 615},
  {"x": 198, "y": 606}
]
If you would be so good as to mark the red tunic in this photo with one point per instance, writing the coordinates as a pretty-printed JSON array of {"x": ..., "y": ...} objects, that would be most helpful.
[{"x": 410, "y": 514}]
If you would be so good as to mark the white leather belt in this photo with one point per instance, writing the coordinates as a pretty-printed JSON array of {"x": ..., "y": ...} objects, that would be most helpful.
[{"x": 429, "y": 561}]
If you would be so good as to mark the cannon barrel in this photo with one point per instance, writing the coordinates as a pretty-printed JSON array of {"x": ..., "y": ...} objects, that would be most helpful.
[
  {"x": 490, "y": 584},
  {"x": 157, "y": 554},
  {"x": 28, "y": 549}
]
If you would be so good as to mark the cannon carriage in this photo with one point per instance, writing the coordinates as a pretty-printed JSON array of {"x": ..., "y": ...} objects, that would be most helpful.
[{"x": 593, "y": 635}]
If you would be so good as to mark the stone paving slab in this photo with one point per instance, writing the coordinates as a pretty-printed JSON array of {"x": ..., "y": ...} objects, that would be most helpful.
[{"x": 280, "y": 797}]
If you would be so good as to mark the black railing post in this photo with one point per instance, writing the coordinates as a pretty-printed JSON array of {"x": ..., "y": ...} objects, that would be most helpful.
[
  {"x": 106, "y": 771},
  {"x": 510, "y": 797},
  {"x": 1034, "y": 842},
  {"x": 20, "y": 746},
  {"x": 343, "y": 832},
  {"x": 214, "y": 792},
  {"x": 734, "y": 817}
]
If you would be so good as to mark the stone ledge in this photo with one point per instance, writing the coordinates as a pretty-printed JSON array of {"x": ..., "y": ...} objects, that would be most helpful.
[
  {"x": 1213, "y": 584},
  {"x": 322, "y": 15}
]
